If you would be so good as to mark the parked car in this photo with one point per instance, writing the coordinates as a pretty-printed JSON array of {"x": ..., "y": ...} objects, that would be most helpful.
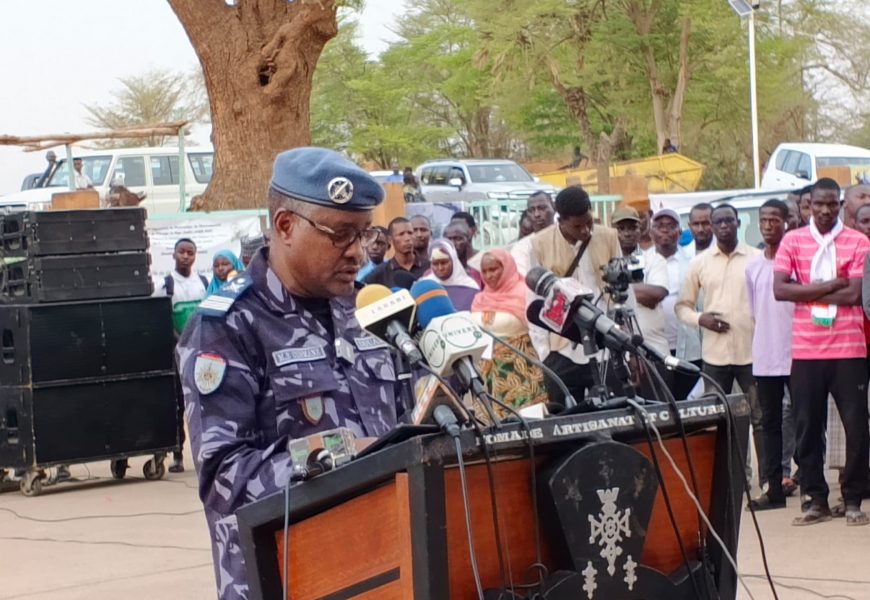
[
  {"x": 469, "y": 180},
  {"x": 153, "y": 171},
  {"x": 796, "y": 165}
]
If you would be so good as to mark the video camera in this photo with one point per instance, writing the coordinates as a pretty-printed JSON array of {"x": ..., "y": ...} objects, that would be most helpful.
[{"x": 620, "y": 273}]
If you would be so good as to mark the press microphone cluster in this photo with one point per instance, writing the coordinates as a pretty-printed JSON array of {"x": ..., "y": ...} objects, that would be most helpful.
[
  {"x": 568, "y": 311},
  {"x": 395, "y": 316}
]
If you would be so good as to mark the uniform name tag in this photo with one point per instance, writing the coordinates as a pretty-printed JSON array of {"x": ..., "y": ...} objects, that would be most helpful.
[
  {"x": 368, "y": 342},
  {"x": 289, "y": 356}
]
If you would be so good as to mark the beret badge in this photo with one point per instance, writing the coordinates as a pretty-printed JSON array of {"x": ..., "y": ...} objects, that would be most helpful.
[{"x": 340, "y": 190}]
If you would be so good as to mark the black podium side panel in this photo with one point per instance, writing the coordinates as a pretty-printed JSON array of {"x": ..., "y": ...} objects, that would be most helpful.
[
  {"x": 86, "y": 421},
  {"x": 77, "y": 340}
]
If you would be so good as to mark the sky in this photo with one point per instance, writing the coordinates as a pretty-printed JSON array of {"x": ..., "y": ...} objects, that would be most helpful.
[{"x": 59, "y": 55}]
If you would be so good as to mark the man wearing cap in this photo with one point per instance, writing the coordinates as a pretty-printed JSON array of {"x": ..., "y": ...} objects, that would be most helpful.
[
  {"x": 277, "y": 353},
  {"x": 684, "y": 341},
  {"x": 654, "y": 288}
]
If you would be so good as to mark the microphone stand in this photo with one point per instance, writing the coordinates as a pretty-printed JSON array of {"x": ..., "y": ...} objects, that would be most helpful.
[{"x": 406, "y": 388}]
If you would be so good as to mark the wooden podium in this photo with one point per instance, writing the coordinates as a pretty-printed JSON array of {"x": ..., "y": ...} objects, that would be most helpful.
[{"x": 391, "y": 524}]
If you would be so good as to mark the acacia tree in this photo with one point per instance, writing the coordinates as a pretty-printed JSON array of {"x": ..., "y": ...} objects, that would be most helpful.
[
  {"x": 258, "y": 59},
  {"x": 156, "y": 96}
]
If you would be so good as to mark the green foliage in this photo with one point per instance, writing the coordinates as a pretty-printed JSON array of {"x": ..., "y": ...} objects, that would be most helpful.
[
  {"x": 154, "y": 97},
  {"x": 534, "y": 78}
]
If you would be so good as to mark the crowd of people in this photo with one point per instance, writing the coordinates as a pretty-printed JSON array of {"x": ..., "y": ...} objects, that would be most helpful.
[{"x": 783, "y": 321}]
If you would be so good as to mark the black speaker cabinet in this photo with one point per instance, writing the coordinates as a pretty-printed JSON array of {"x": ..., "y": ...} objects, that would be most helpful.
[
  {"x": 88, "y": 421},
  {"x": 42, "y": 343},
  {"x": 60, "y": 278},
  {"x": 42, "y": 233}
]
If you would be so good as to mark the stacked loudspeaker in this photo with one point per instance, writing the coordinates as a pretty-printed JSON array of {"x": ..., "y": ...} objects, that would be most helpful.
[{"x": 86, "y": 368}]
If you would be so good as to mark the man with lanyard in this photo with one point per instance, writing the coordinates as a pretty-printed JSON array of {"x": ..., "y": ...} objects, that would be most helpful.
[
  {"x": 573, "y": 247},
  {"x": 820, "y": 268},
  {"x": 277, "y": 353}
]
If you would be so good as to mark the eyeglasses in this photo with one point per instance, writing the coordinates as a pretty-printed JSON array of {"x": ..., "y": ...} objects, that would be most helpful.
[
  {"x": 724, "y": 221},
  {"x": 344, "y": 238}
]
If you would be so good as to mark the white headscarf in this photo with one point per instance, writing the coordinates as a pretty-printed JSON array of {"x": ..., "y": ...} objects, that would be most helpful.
[{"x": 460, "y": 276}]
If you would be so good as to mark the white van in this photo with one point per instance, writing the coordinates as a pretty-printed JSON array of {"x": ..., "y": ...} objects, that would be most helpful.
[
  {"x": 152, "y": 170},
  {"x": 794, "y": 166}
]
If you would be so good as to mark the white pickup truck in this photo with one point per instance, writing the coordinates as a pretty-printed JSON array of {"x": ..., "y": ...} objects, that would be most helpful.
[{"x": 152, "y": 170}]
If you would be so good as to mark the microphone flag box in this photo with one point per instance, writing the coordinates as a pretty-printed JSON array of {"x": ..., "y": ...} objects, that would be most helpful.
[
  {"x": 449, "y": 338},
  {"x": 339, "y": 442},
  {"x": 375, "y": 317},
  {"x": 558, "y": 301}
]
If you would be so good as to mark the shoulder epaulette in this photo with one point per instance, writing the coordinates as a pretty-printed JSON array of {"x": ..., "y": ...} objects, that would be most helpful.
[{"x": 220, "y": 302}]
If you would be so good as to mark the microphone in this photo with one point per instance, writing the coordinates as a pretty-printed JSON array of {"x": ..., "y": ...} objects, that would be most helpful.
[
  {"x": 451, "y": 342},
  {"x": 559, "y": 297},
  {"x": 581, "y": 315},
  {"x": 389, "y": 316}
]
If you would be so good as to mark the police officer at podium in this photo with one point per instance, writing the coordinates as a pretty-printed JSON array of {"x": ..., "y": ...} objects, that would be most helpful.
[{"x": 278, "y": 354}]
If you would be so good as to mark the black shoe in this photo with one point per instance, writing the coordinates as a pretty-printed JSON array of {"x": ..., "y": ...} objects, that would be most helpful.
[
  {"x": 765, "y": 502},
  {"x": 63, "y": 473},
  {"x": 177, "y": 465}
]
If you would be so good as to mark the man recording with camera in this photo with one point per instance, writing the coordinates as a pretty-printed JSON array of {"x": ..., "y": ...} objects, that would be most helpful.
[
  {"x": 574, "y": 247},
  {"x": 649, "y": 281}
]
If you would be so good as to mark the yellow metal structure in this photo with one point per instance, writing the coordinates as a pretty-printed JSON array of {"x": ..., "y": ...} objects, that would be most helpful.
[{"x": 664, "y": 173}]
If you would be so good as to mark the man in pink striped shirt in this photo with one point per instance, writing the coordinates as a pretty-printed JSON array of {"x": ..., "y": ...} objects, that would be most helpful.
[{"x": 820, "y": 268}]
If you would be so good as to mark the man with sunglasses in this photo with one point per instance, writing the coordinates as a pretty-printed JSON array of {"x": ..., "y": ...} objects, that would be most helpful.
[{"x": 277, "y": 353}]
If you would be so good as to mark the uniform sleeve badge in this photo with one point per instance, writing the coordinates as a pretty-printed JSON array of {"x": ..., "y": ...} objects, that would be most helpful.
[
  {"x": 208, "y": 372},
  {"x": 312, "y": 408}
]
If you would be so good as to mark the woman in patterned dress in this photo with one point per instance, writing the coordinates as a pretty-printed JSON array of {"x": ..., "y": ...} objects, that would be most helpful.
[{"x": 501, "y": 309}]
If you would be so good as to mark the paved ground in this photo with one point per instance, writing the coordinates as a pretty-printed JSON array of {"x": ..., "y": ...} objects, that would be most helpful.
[{"x": 96, "y": 539}]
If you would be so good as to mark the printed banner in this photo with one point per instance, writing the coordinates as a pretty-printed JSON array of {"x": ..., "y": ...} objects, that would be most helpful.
[{"x": 210, "y": 232}]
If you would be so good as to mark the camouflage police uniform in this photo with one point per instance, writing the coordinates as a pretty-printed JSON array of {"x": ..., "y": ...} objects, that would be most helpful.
[{"x": 258, "y": 369}]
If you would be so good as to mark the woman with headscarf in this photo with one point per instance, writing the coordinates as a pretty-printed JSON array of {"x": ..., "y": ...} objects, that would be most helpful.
[
  {"x": 225, "y": 265},
  {"x": 501, "y": 309},
  {"x": 449, "y": 272}
]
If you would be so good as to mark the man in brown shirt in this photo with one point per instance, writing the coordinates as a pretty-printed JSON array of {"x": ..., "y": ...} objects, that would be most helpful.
[{"x": 726, "y": 346}]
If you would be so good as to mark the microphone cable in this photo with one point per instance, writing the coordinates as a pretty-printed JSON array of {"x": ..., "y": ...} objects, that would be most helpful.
[
  {"x": 286, "y": 541},
  {"x": 461, "y": 463},
  {"x": 726, "y": 552},
  {"x": 660, "y": 388},
  {"x": 536, "y": 521},
  {"x": 643, "y": 415},
  {"x": 732, "y": 424},
  {"x": 570, "y": 402}
]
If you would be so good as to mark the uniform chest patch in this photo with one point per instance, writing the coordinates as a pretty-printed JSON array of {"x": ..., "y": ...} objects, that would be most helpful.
[
  {"x": 368, "y": 342},
  {"x": 209, "y": 370},
  {"x": 289, "y": 356}
]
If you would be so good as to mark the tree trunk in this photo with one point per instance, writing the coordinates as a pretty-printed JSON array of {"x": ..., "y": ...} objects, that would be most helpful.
[
  {"x": 258, "y": 59},
  {"x": 675, "y": 119}
]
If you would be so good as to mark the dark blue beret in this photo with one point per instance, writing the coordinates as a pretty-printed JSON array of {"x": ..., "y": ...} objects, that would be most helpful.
[{"x": 326, "y": 178}]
